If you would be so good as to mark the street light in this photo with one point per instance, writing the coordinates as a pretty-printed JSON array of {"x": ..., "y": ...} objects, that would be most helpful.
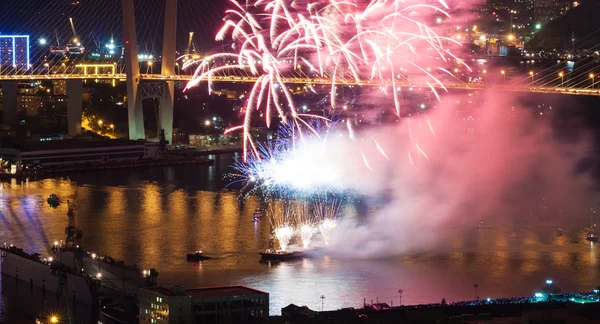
[
  {"x": 100, "y": 122},
  {"x": 112, "y": 127},
  {"x": 503, "y": 76},
  {"x": 42, "y": 41},
  {"x": 562, "y": 78},
  {"x": 400, "y": 291},
  {"x": 592, "y": 78},
  {"x": 322, "y": 302},
  {"x": 532, "y": 75},
  {"x": 207, "y": 122},
  {"x": 548, "y": 284}
]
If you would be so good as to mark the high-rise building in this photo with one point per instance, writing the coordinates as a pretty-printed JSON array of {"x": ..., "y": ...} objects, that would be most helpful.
[{"x": 14, "y": 52}]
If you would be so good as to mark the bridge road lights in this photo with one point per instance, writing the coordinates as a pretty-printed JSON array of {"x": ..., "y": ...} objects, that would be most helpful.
[
  {"x": 562, "y": 78},
  {"x": 456, "y": 73},
  {"x": 592, "y": 78},
  {"x": 503, "y": 76},
  {"x": 177, "y": 67},
  {"x": 65, "y": 68}
]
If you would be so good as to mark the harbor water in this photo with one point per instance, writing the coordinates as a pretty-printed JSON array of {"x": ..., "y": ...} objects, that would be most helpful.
[{"x": 152, "y": 217}]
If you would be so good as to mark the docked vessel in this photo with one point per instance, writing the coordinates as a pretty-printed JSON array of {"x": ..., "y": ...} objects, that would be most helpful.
[
  {"x": 280, "y": 255},
  {"x": 72, "y": 270},
  {"x": 197, "y": 256},
  {"x": 48, "y": 274},
  {"x": 559, "y": 232}
]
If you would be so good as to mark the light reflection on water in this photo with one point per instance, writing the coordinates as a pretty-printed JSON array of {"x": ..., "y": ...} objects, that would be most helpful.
[{"x": 153, "y": 217}]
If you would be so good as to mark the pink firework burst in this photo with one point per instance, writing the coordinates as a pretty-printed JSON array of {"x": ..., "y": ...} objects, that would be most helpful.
[{"x": 342, "y": 42}]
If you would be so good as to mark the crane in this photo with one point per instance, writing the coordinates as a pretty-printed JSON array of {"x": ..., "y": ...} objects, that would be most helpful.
[
  {"x": 75, "y": 39},
  {"x": 189, "y": 45}
]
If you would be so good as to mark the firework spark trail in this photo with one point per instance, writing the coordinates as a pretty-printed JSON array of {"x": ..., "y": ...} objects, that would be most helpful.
[
  {"x": 342, "y": 41},
  {"x": 284, "y": 234},
  {"x": 283, "y": 214},
  {"x": 326, "y": 212}
]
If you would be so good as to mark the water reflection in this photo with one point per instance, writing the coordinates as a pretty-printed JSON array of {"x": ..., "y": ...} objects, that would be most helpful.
[{"x": 153, "y": 218}]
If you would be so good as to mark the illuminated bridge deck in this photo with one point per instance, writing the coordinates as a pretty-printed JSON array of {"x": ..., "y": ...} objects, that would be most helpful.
[{"x": 316, "y": 81}]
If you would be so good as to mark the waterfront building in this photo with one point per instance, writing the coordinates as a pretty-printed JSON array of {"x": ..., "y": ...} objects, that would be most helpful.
[
  {"x": 75, "y": 151},
  {"x": 218, "y": 305}
]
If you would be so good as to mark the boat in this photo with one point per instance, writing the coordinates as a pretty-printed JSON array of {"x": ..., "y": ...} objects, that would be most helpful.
[
  {"x": 513, "y": 235},
  {"x": 197, "y": 256},
  {"x": 53, "y": 200},
  {"x": 257, "y": 215},
  {"x": 592, "y": 237},
  {"x": 280, "y": 255}
]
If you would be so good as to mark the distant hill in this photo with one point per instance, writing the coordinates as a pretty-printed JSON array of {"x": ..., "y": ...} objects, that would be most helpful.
[{"x": 583, "y": 22}]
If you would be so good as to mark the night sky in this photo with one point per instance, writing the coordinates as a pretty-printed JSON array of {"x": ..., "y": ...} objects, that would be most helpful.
[{"x": 96, "y": 21}]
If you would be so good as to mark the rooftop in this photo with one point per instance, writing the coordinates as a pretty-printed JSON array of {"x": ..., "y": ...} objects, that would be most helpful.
[{"x": 207, "y": 292}]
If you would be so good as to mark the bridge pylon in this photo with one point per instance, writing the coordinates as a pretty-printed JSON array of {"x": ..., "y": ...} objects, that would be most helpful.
[
  {"x": 9, "y": 102},
  {"x": 136, "y": 92},
  {"x": 132, "y": 71},
  {"x": 167, "y": 101}
]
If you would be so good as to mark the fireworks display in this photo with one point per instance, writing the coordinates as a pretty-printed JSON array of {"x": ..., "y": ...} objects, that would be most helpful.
[
  {"x": 303, "y": 218},
  {"x": 343, "y": 42},
  {"x": 340, "y": 41}
]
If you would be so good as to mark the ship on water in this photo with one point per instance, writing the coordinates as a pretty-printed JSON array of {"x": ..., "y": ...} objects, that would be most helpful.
[{"x": 73, "y": 272}]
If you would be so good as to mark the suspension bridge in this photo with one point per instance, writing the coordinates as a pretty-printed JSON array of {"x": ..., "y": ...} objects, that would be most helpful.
[{"x": 75, "y": 25}]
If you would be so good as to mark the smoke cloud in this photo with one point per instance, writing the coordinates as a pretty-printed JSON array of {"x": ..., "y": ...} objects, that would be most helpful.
[{"x": 434, "y": 175}]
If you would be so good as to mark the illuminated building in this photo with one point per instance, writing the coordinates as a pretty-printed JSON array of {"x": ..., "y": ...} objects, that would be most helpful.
[
  {"x": 69, "y": 151},
  {"x": 546, "y": 10},
  {"x": 14, "y": 52},
  {"x": 59, "y": 87},
  {"x": 230, "y": 304}
]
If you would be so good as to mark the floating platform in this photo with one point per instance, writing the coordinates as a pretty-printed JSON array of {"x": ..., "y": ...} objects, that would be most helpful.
[{"x": 280, "y": 255}]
